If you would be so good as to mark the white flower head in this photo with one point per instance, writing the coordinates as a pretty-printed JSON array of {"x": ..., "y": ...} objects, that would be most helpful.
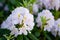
[
  {"x": 45, "y": 3},
  {"x": 47, "y": 15},
  {"x": 56, "y": 28},
  {"x": 56, "y": 4},
  {"x": 57, "y": 25},
  {"x": 19, "y": 22},
  {"x": 49, "y": 4}
]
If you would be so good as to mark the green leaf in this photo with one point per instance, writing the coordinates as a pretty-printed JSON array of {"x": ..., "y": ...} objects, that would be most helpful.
[
  {"x": 19, "y": 37},
  {"x": 4, "y": 31},
  {"x": 31, "y": 36},
  {"x": 2, "y": 0},
  {"x": 11, "y": 7},
  {"x": 26, "y": 38},
  {"x": 25, "y": 3},
  {"x": 13, "y": 1},
  {"x": 1, "y": 13},
  {"x": 57, "y": 14},
  {"x": 47, "y": 36},
  {"x": 37, "y": 33},
  {"x": 2, "y": 38}
]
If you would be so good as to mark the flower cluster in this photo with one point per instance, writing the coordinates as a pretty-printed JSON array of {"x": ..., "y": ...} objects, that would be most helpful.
[
  {"x": 56, "y": 28},
  {"x": 48, "y": 4},
  {"x": 19, "y": 22},
  {"x": 46, "y": 21},
  {"x": 45, "y": 18}
]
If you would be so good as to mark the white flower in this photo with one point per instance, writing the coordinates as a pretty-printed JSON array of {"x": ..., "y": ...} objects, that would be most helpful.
[
  {"x": 57, "y": 23},
  {"x": 39, "y": 3},
  {"x": 56, "y": 29},
  {"x": 19, "y": 22},
  {"x": 45, "y": 3},
  {"x": 54, "y": 4},
  {"x": 7, "y": 23},
  {"x": 14, "y": 31},
  {"x": 35, "y": 8},
  {"x": 57, "y": 4},
  {"x": 49, "y": 4},
  {"x": 48, "y": 16}
]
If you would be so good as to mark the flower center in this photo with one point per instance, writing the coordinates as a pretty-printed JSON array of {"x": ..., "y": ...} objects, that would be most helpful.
[
  {"x": 44, "y": 20},
  {"x": 21, "y": 25},
  {"x": 18, "y": 16}
]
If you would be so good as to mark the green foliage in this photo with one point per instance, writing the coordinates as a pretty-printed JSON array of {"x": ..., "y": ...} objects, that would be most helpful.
[
  {"x": 2, "y": 38},
  {"x": 4, "y": 31}
]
